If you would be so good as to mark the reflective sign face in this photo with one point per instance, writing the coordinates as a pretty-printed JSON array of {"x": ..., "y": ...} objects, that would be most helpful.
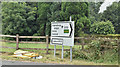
[
  {"x": 61, "y": 29},
  {"x": 62, "y": 33}
]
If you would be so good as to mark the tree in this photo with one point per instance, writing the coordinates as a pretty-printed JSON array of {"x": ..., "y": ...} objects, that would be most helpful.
[
  {"x": 94, "y": 9},
  {"x": 42, "y": 19},
  {"x": 55, "y": 9},
  {"x": 58, "y": 11},
  {"x": 53, "y": 15},
  {"x": 102, "y": 28},
  {"x": 111, "y": 14},
  {"x": 26, "y": 18},
  {"x": 18, "y": 18},
  {"x": 118, "y": 26},
  {"x": 76, "y": 11},
  {"x": 83, "y": 26}
]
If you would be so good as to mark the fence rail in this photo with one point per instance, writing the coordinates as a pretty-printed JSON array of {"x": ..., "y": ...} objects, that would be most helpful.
[
  {"x": 32, "y": 36},
  {"x": 7, "y": 36},
  {"x": 47, "y": 41}
]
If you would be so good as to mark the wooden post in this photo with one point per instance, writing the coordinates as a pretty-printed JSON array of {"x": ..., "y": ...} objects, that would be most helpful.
[
  {"x": 82, "y": 44},
  {"x": 17, "y": 42},
  {"x": 47, "y": 41}
]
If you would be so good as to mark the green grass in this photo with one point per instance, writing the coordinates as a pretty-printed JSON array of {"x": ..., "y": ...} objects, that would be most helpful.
[
  {"x": 29, "y": 45},
  {"x": 8, "y": 50},
  {"x": 47, "y": 58}
]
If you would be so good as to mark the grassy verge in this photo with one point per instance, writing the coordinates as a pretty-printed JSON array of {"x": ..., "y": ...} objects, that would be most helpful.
[
  {"x": 47, "y": 58},
  {"x": 29, "y": 45}
]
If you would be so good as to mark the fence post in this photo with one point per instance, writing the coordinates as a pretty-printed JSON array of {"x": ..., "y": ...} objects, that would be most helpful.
[
  {"x": 17, "y": 41},
  {"x": 47, "y": 40},
  {"x": 82, "y": 44}
]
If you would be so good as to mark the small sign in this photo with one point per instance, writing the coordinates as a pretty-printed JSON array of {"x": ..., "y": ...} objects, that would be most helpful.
[
  {"x": 62, "y": 33},
  {"x": 66, "y": 30}
]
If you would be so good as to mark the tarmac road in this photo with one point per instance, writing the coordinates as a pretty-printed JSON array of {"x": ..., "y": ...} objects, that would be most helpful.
[
  {"x": 8, "y": 62},
  {"x": 36, "y": 64}
]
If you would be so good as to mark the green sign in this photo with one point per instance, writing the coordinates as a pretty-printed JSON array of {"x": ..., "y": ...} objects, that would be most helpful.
[{"x": 66, "y": 30}]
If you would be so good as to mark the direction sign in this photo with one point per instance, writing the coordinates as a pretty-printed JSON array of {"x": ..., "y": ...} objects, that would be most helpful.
[{"x": 62, "y": 33}]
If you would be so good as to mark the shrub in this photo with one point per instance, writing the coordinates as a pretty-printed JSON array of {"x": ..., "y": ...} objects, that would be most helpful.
[{"x": 102, "y": 28}]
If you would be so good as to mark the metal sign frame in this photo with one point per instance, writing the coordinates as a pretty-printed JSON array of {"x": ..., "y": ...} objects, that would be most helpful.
[{"x": 62, "y": 38}]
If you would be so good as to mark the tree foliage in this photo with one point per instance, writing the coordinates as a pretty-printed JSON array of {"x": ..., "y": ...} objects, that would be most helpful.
[
  {"x": 112, "y": 14},
  {"x": 83, "y": 26},
  {"x": 94, "y": 9},
  {"x": 18, "y": 18},
  {"x": 48, "y": 12},
  {"x": 32, "y": 18},
  {"x": 42, "y": 19},
  {"x": 76, "y": 11}
]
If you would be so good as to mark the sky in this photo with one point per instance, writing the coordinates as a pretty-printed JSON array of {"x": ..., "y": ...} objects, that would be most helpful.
[{"x": 106, "y": 4}]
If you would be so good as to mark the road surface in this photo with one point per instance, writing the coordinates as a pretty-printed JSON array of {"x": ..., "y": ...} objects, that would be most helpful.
[{"x": 8, "y": 62}]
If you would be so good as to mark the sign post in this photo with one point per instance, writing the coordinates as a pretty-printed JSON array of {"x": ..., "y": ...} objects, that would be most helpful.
[
  {"x": 70, "y": 53},
  {"x": 54, "y": 50},
  {"x": 62, "y": 33},
  {"x": 70, "y": 47},
  {"x": 62, "y": 51}
]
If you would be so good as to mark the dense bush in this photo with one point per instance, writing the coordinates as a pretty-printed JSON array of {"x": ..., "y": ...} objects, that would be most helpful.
[{"x": 102, "y": 28}]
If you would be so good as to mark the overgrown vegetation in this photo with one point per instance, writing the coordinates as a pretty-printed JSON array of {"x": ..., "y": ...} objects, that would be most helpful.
[
  {"x": 90, "y": 56},
  {"x": 98, "y": 51}
]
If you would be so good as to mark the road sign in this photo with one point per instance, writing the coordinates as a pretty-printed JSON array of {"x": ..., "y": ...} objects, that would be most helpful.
[{"x": 62, "y": 33}]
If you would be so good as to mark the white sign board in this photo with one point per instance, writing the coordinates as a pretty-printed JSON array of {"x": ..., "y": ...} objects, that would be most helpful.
[{"x": 62, "y": 33}]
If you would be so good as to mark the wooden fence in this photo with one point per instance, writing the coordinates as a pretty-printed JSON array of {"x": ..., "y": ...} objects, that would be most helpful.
[{"x": 105, "y": 38}]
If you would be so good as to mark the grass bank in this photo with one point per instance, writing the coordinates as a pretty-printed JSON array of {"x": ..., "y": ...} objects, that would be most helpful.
[{"x": 47, "y": 58}]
